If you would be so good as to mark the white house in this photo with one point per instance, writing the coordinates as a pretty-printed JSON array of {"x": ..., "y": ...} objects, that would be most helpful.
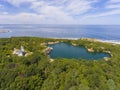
[{"x": 20, "y": 52}]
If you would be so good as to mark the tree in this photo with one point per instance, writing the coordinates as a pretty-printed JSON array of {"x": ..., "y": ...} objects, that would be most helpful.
[{"x": 111, "y": 84}]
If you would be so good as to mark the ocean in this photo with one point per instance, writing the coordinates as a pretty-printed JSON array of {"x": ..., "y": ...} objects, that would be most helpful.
[{"x": 103, "y": 32}]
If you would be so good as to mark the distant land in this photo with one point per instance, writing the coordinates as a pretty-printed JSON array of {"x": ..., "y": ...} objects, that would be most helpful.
[{"x": 4, "y": 31}]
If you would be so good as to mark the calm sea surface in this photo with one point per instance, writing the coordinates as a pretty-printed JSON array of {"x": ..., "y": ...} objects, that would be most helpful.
[{"x": 103, "y": 32}]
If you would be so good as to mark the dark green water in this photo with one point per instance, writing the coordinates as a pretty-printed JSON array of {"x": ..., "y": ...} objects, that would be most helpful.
[{"x": 64, "y": 50}]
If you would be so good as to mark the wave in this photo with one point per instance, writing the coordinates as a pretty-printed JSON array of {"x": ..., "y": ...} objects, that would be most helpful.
[{"x": 110, "y": 41}]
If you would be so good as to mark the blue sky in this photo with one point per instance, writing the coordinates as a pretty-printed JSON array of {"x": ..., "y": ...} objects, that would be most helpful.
[{"x": 60, "y": 12}]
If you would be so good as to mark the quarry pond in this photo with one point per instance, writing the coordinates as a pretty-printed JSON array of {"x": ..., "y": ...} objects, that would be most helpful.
[{"x": 65, "y": 50}]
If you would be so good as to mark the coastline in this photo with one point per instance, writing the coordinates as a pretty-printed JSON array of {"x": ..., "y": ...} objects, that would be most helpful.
[
  {"x": 110, "y": 41},
  {"x": 64, "y": 38},
  {"x": 89, "y": 39},
  {"x": 93, "y": 39},
  {"x": 107, "y": 41}
]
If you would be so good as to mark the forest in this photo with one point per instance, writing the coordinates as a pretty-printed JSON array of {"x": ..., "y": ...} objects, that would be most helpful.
[{"x": 36, "y": 72}]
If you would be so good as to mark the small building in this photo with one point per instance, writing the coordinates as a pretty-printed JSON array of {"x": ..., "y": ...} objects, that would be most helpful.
[{"x": 19, "y": 52}]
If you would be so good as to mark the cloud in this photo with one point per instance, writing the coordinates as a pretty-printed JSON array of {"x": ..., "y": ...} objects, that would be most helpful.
[
  {"x": 72, "y": 7},
  {"x": 21, "y": 18},
  {"x": 57, "y": 11},
  {"x": 17, "y": 3},
  {"x": 114, "y": 1},
  {"x": 30, "y": 18},
  {"x": 116, "y": 6},
  {"x": 1, "y": 5},
  {"x": 76, "y": 7},
  {"x": 112, "y": 7},
  {"x": 109, "y": 13},
  {"x": 4, "y": 13},
  {"x": 62, "y": 11},
  {"x": 113, "y": 4}
]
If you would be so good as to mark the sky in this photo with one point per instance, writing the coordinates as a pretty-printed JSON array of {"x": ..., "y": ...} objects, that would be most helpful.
[{"x": 83, "y": 12}]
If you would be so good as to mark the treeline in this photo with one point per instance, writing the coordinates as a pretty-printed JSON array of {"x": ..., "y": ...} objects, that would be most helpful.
[{"x": 36, "y": 72}]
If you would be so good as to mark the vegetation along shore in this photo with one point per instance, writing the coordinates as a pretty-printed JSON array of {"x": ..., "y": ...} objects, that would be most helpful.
[{"x": 37, "y": 71}]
